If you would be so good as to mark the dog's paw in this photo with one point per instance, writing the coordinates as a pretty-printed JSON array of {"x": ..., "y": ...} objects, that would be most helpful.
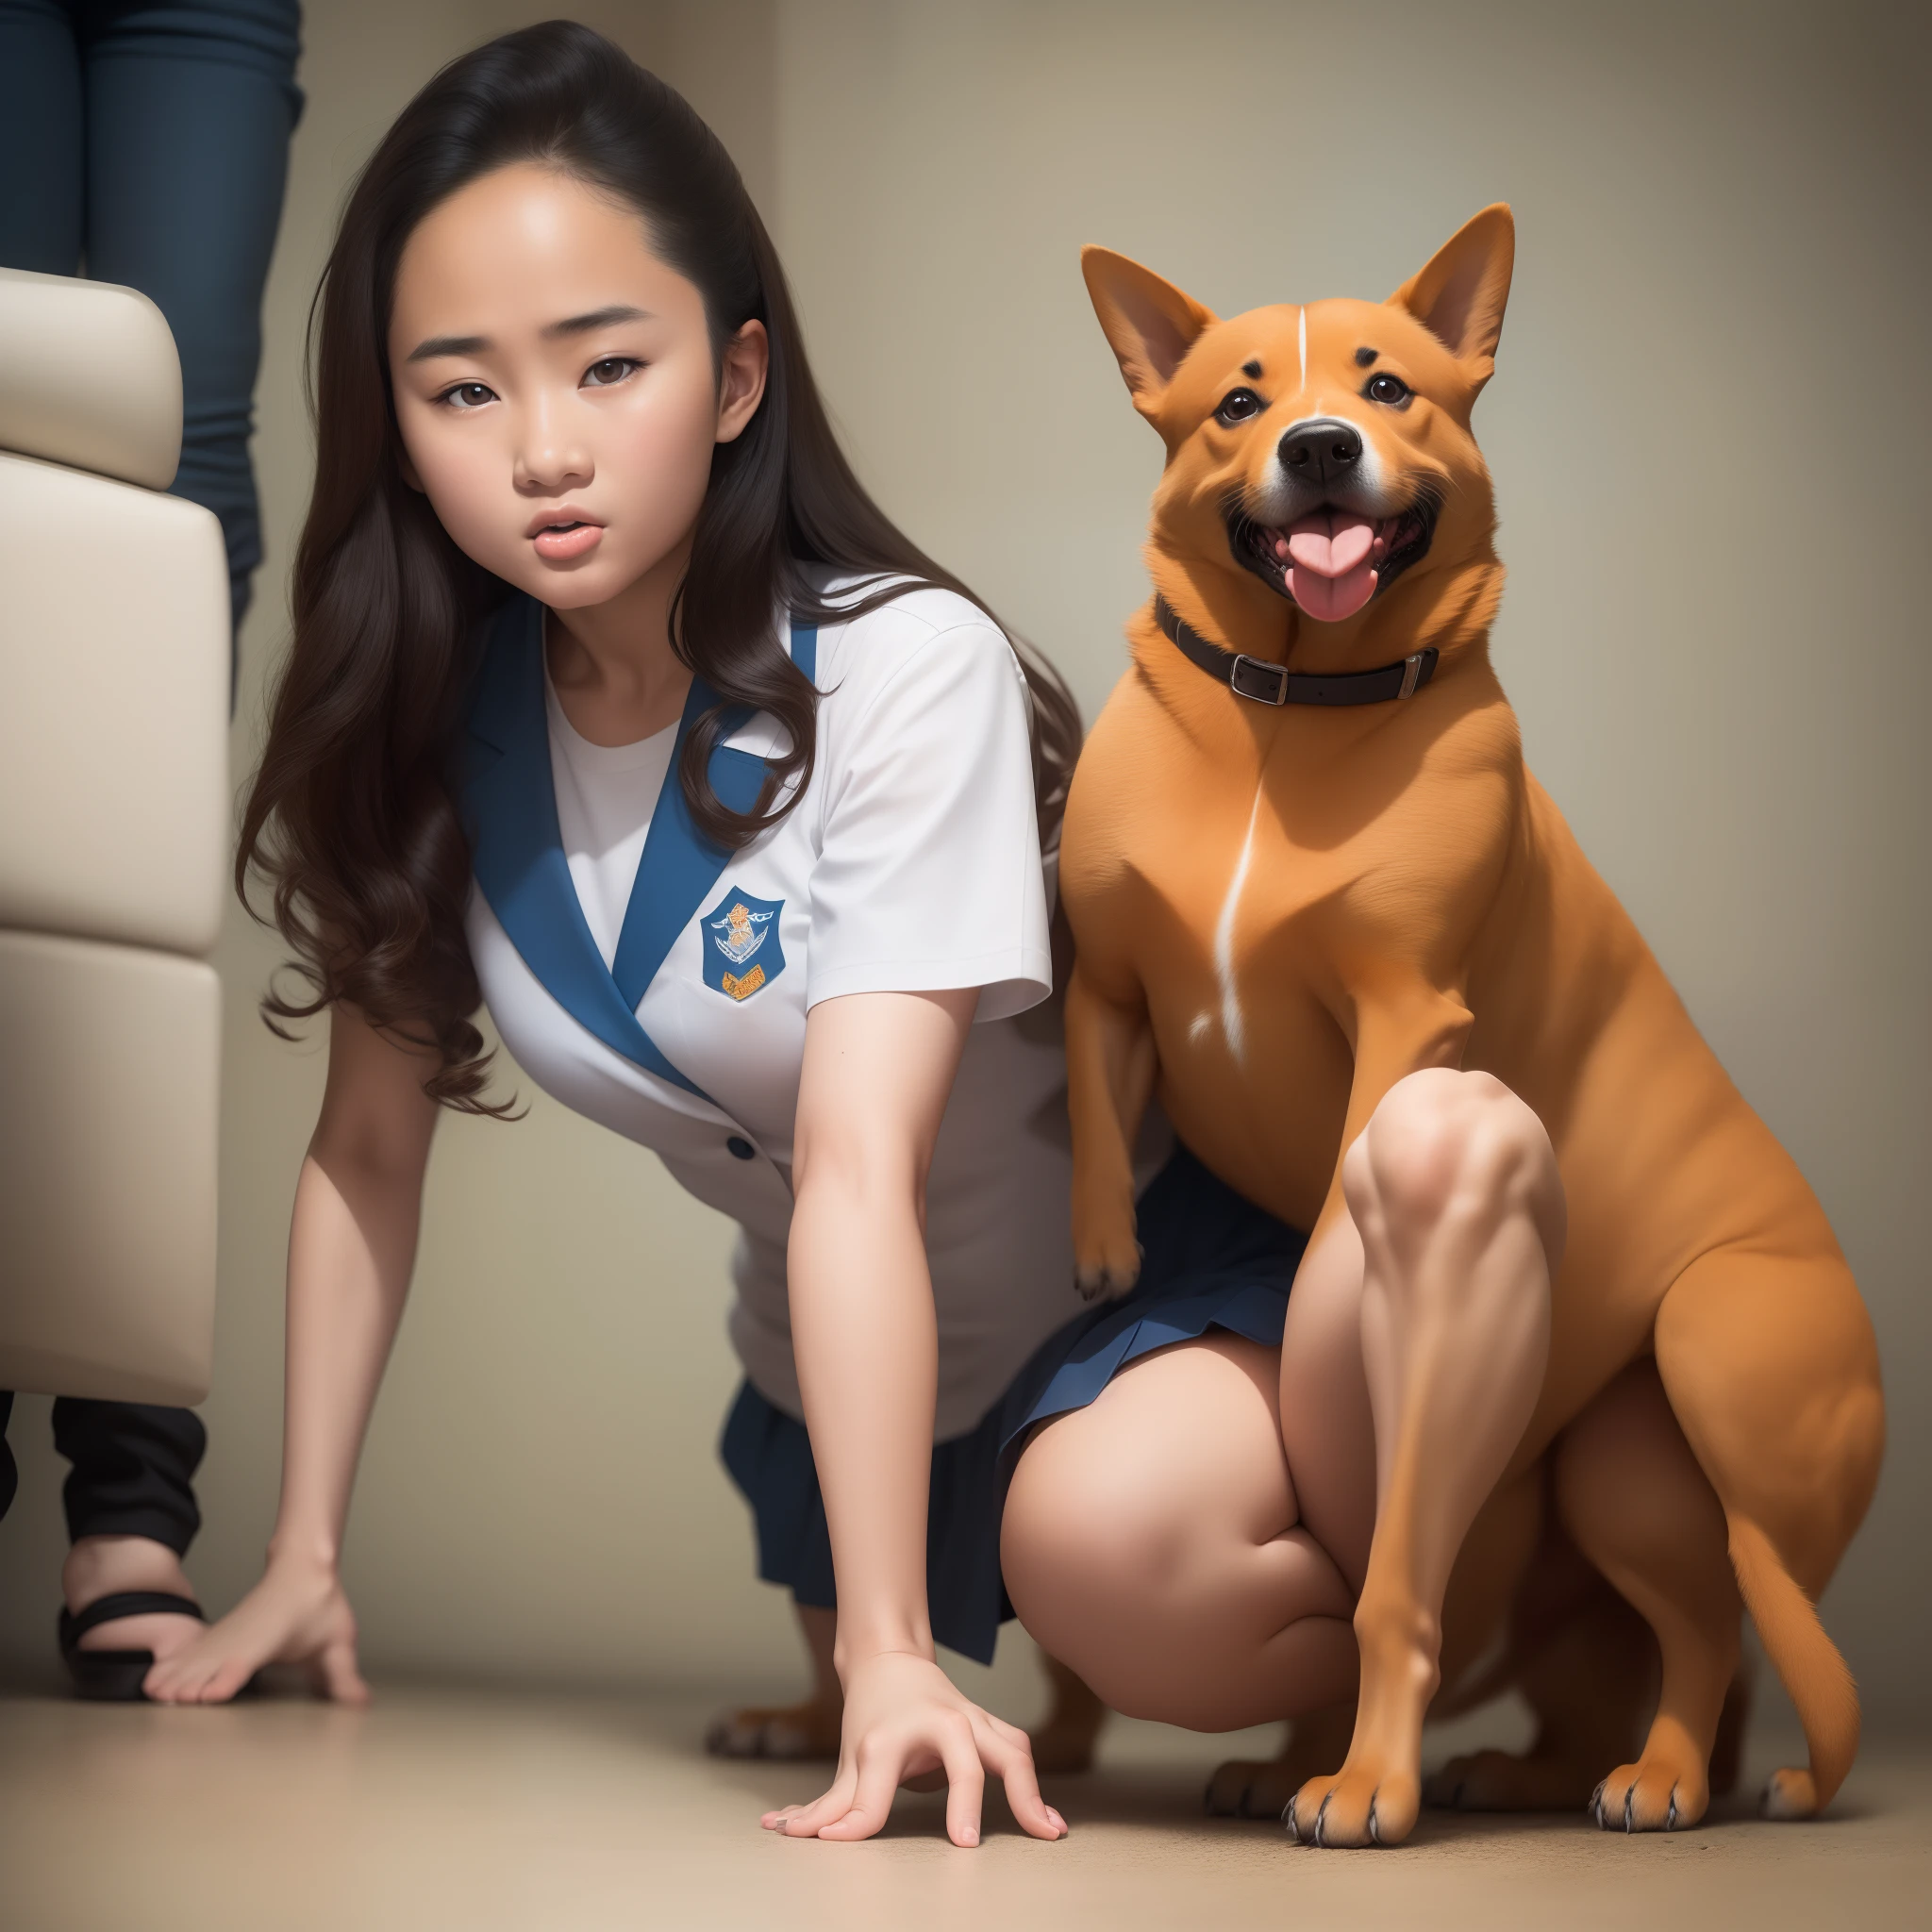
[
  {"x": 1250, "y": 1788},
  {"x": 1501, "y": 1781},
  {"x": 1107, "y": 1281},
  {"x": 1654, "y": 1795},
  {"x": 1107, "y": 1258},
  {"x": 1364, "y": 1804},
  {"x": 1789, "y": 1793},
  {"x": 795, "y": 1734}
]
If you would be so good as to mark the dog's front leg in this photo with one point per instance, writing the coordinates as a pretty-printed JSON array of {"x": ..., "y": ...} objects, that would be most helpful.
[
  {"x": 1452, "y": 1190},
  {"x": 1111, "y": 1066},
  {"x": 1450, "y": 1194}
]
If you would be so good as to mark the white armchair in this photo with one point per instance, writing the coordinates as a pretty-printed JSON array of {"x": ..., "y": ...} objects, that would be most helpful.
[{"x": 114, "y": 826}]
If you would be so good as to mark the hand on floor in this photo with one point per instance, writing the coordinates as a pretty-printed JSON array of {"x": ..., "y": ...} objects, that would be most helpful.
[
  {"x": 904, "y": 1721},
  {"x": 296, "y": 1614}
]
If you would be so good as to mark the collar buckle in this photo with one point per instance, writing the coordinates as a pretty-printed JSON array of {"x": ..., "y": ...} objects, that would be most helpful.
[{"x": 1258, "y": 680}]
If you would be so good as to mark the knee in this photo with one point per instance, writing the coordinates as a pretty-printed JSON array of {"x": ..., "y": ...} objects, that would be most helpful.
[{"x": 1445, "y": 1143}]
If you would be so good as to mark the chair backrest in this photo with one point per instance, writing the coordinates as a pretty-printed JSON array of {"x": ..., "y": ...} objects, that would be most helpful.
[{"x": 114, "y": 818}]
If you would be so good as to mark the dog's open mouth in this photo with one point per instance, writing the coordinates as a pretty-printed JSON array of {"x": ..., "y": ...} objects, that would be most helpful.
[{"x": 1332, "y": 560}]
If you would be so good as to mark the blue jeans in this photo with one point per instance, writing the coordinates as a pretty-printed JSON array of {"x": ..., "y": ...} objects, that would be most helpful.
[{"x": 149, "y": 143}]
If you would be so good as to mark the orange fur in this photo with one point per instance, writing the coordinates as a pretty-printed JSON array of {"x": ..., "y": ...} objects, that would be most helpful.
[{"x": 1412, "y": 898}]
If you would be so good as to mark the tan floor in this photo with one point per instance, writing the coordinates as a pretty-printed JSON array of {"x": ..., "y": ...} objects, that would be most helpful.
[{"x": 475, "y": 1811}]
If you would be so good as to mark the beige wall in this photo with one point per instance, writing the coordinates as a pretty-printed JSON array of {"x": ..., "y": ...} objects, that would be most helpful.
[{"x": 1701, "y": 432}]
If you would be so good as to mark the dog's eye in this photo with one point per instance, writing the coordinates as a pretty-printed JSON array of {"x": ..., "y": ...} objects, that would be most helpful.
[
  {"x": 1237, "y": 406},
  {"x": 1387, "y": 389}
]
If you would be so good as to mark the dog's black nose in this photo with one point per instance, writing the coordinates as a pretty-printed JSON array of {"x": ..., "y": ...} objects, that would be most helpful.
[{"x": 1321, "y": 449}]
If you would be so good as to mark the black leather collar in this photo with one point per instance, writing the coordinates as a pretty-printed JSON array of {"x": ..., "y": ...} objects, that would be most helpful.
[{"x": 1264, "y": 683}]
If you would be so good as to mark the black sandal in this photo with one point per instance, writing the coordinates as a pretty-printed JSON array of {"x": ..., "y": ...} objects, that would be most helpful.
[{"x": 115, "y": 1676}]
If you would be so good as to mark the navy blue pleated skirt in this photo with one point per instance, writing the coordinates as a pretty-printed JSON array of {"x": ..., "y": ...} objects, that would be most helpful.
[{"x": 1211, "y": 1259}]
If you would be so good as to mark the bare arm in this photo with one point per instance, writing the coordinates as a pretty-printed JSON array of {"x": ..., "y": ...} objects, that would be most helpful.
[
  {"x": 877, "y": 1069},
  {"x": 352, "y": 1244}
]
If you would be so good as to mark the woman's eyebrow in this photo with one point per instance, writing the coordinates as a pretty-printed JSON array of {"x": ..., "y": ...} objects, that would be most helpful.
[
  {"x": 570, "y": 325},
  {"x": 447, "y": 345},
  {"x": 598, "y": 318}
]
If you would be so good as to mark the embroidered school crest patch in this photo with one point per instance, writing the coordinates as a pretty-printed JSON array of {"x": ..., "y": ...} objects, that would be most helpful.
[{"x": 742, "y": 948}]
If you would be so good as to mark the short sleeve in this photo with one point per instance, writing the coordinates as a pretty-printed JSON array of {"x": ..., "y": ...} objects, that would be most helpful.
[{"x": 928, "y": 875}]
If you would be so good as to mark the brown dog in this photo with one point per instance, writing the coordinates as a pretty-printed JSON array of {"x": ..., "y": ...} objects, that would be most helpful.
[{"x": 1282, "y": 910}]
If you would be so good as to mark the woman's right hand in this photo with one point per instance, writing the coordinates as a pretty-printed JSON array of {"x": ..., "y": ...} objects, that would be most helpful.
[
  {"x": 906, "y": 1722},
  {"x": 297, "y": 1614},
  {"x": 351, "y": 1245}
]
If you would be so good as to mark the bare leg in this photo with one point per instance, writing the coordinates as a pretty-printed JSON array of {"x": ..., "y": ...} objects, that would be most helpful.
[
  {"x": 1151, "y": 1541},
  {"x": 795, "y": 1732},
  {"x": 99, "y": 1566},
  {"x": 1453, "y": 1189}
]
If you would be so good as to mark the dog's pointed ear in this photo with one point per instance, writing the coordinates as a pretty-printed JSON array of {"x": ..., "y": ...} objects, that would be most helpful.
[
  {"x": 1460, "y": 297},
  {"x": 1150, "y": 324}
]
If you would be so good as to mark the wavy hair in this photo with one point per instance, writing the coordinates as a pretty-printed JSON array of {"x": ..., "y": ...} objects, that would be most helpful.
[{"x": 351, "y": 815}]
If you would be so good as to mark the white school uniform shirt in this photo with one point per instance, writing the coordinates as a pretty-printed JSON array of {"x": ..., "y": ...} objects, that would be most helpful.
[{"x": 911, "y": 863}]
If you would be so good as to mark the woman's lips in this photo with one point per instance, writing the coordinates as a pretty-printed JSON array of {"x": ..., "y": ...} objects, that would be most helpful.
[{"x": 566, "y": 542}]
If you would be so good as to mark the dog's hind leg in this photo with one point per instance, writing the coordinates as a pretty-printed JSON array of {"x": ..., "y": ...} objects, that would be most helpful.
[
  {"x": 1582, "y": 1659},
  {"x": 1261, "y": 1787},
  {"x": 1772, "y": 1369},
  {"x": 1632, "y": 1495},
  {"x": 1590, "y": 1685},
  {"x": 1063, "y": 1740}
]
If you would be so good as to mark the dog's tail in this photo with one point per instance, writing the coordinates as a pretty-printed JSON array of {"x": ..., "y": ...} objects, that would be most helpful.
[{"x": 1811, "y": 1669}]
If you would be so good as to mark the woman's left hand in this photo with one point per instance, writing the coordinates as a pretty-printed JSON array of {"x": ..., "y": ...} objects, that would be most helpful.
[{"x": 906, "y": 1721}]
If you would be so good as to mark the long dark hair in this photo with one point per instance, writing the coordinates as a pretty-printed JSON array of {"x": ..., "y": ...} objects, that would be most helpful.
[{"x": 351, "y": 815}]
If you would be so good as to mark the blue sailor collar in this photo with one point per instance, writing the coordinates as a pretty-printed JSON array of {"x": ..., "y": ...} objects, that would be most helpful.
[{"x": 510, "y": 800}]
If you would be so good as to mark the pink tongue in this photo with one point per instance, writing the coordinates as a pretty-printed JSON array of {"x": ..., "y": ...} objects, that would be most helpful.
[{"x": 1332, "y": 577}]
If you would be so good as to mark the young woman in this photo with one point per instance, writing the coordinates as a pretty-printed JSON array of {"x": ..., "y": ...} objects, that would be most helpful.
[{"x": 614, "y": 700}]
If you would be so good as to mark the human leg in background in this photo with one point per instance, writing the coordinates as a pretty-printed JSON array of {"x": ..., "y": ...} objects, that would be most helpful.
[
  {"x": 137, "y": 1545},
  {"x": 189, "y": 109},
  {"x": 43, "y": 164},
  {"x": 148, "y": 144},
  {"x": 131, "y": 1515}
]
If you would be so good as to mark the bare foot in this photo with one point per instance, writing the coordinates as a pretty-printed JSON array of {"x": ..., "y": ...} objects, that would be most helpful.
[
  {"x": 797, "y": 1733},
  {"x": 99, "y": 1566},
  {"x": 296, "y": 1614}
]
